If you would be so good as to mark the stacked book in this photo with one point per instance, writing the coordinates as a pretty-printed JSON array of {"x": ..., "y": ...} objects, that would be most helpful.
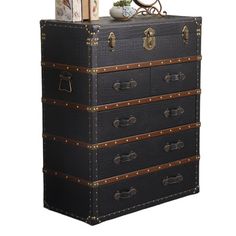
[{"x": 77, "y": 10}]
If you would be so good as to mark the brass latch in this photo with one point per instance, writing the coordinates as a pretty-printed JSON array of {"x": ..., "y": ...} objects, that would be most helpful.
[
  {"x": 112, "y": 41},
  {"x": 149, "y": 41},
  {"x": 185, "y": 34}
]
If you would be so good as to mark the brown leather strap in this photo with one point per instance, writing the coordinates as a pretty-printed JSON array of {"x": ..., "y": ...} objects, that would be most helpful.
[
  {"x": 128, "y": 103},
  {"x": 130, "y": 66},
  {"x": 118, "y": 178},
  {"x": 122, "y": 140}
]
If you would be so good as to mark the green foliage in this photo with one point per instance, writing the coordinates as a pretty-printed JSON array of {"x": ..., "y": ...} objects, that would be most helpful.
[{"x": 122, "y": 3}]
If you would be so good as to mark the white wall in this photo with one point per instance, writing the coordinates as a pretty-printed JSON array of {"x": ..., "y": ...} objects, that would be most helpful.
[{"x": 21, "y": 211}]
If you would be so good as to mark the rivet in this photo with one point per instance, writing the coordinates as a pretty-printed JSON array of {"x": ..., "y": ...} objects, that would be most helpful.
[
  {"x": 117, "y": 178},
  {"x": 161, "y": 97},
  {"x": 180, "y": 128},
  {"x": 162, "y": 62},
  {"x": 170, "y": 61},
  {"x": 149, "y": 135},
  {"x": 105, "y": 144},
  {"x": 55, "y": 173},
  {"x": 171, "y": 130},
  {"x": 67, "y": 104},
  {"x": 189, "y": 93},
  {"x": 170, "y": 165},
  {"x": 117, "y": 105},
  {"x": 126, "y": 176},
  {"x": 105, "y": 181},
  {"x": 179, "y": 94},
  {"x": 77, "y": 106},
  {"x": 189, "y": 58},
  {"x": 180, "y": 162},
  {"x": 139, "y": 101},
  {"x": 137, "y": 173},
  {"x": 189, "y": 126},
  {"x": 105, "y": 107},
  {"x": 189, "y": 159},
  {"x": 116, "y": 68},
  {"x": 150, "y": 100},
  {"x": 171, "y": 96},
  {"x": 159, "y": 167},
  {"x": 115, "y": 142},
  {"x": 127, "y": 140},
  {"x": 77, "y": 69},
  {"x": 148, "y": 170},
  {"x": 67, "y": 67},
  {"x": 54, "y": 138},
  {"x": 53, "y": 65},
  {"x": 54, "y": 102},
  {"x": 104, "y": 69},
  {"x": 127, "y": 67},
  {"x": 66, "y": 141},
  {"x": 150, "y": 63},
  {"x": 128, "y": 103},
  {"x": 78, "y": 180},
  {"x": 161, "y": 132},
  {"x": 179, "y": 60},
  {"x": 137, "y": 138},
  {"x": 139, "y": 65}
]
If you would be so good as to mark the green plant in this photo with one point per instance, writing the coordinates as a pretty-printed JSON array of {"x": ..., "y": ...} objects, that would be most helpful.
[{"x": 122, "y": 3}]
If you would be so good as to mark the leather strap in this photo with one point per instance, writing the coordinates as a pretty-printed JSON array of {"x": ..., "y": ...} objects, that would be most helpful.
[
  {"x": 118, "y": 178},
  {"x": 130, "y": 66},
  {"x": 122, "y": 140}
]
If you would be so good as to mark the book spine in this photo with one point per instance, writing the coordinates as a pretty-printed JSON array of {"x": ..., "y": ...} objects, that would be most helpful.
[
  {"x": 77, "y": 10},
  {"x": 94, "y": 9}
]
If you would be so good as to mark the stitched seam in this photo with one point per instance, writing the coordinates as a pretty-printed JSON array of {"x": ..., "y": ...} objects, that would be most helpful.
[{"x": 147, "y": 203}]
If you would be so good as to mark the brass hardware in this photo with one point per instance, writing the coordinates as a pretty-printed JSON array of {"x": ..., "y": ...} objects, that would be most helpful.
[
  {"x": 112, "y": 41},
  {"x": 185, "y": 34},
  {"x": 149, "y": 41}
]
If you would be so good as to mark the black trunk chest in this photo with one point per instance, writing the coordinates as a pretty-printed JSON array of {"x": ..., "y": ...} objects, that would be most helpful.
[{"x": 121, "y": 115}]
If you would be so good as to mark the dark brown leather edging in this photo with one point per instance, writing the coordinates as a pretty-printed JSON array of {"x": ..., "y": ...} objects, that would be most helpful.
[
  {"x": 122, "y": 140},
  {"x": 118, "y": 178},
  {"x": 127, "y": 103},
  {"x": 130, "y": 66}
]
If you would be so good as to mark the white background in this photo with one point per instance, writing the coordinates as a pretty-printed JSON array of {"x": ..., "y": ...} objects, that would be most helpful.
[{"x": 212, "y": 212}]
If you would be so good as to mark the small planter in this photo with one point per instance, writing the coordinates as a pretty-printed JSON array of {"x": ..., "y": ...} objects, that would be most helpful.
[{"x": 122, "y": 12}]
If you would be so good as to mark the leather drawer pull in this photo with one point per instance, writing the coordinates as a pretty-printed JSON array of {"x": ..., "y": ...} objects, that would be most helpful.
[
  {"x": 174, "y": 146},
  {"x": 65, "y": 82},
  {"x": 125, "y": 194},
  {"x": 174, "y": 112},
  {"x": 121, "y": 86},
  {"x": 124, "y": 122},
  {"x": 174, "y": 77},
  {"x": 172, "y": 180},
  {"x": 125, "y": 158}
]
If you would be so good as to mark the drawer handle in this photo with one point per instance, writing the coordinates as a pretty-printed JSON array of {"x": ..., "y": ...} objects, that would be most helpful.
[
  {"x": 125, "y": 194},
  {"x": 174, "y": 146},
  {"x": 125, "y": 158},
  {"x": 173, "y": 180},
  {"x": 174, "y": 77},
  {"x": 121, "y": 86},
  {"x": 65, "y": 84},
  {"x": 174, "y": 112},
  {"x": 124, "y": 122}
]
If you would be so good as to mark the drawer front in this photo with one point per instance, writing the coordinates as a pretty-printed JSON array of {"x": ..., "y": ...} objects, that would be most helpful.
[
  {"x": 138, "y": 155},
  {"x": 134, "y": 120},
  {"x": 123, "y": 85},
  {"x": 147, "y": 189},
  {"x": 67, "y": 86},
  {"x": 174, "y": 78}
]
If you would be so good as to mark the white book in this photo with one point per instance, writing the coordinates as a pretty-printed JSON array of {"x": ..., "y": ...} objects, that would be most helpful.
[
  {"x": 68, "y": 10},
  {"x": 94, "y": 9}
]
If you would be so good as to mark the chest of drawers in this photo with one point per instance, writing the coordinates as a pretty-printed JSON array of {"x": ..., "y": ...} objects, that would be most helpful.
[{"x": 120, "y": 114}]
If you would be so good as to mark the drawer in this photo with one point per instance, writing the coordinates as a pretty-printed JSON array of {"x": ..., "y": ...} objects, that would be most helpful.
[
  {"x": 142, "y": 154},
  {"x": 123, "y": 85},
  {"x": 128, "y": 121},
  {"x": 174, "y": 78},
  {"x": 147, "y": 189}
]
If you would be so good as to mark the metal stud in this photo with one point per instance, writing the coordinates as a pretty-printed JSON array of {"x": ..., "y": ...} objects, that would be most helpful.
[
  {"x": 126, "y": 176},
  {"x": 150, "y": 64},
  {"x": 66, "y": 141},
  {"x": 137, "y": 173},
  {"x": 77, "y": 144}
]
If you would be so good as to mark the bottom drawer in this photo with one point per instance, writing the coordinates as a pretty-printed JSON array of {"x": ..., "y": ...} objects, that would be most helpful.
[{"x": 140, "y": 192}]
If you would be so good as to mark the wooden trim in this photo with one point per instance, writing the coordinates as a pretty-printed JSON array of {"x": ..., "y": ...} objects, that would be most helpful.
[
  {"x": 122, "y": 140},
  {"x": 117, "y": 105},
  {"x": 130, "y": 66},
  {"x": 118, "y": 178}
]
